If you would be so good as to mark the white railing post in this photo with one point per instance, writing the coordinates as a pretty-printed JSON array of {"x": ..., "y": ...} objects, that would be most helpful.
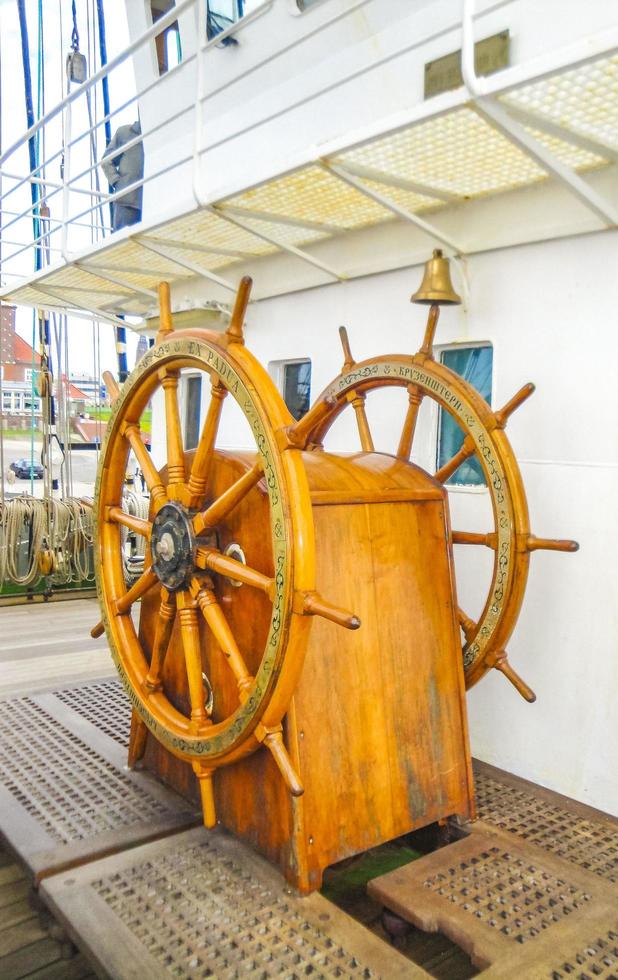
[
  {"x": 199, "y": 101},
  {"x": 66, "y": 176}
]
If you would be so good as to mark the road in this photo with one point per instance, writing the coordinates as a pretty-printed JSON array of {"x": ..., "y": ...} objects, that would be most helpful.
[{"x": 84, "y": 464}]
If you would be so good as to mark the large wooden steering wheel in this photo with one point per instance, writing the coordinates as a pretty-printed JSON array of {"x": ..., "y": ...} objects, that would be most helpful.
[
  {"x": 188, "y": 569},
  {"x": 484, "y": 641}
]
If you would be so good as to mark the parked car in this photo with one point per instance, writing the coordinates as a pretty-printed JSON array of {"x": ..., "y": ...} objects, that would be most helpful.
[{"x": 24, "y": 469}]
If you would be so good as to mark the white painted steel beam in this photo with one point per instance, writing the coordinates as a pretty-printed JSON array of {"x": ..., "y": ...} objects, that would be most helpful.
[
  {"x": 95, "y": 312},
  {"x": 497, "y": 116},
  {"x": 199, "y": 270},
  {"x": 535, "y": 120},
  {"x": 116, "y": 280},
  {"x": 198, "y": 247},
  {"x": 281, "y": 219},
  {"x": 292, "y": 249},
  {"x": 344, "y": 174},
  {"x": 389, "y": 180}
]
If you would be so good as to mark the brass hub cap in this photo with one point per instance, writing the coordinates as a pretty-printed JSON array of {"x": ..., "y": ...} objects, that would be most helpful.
[{"x": 171, "y": 546}]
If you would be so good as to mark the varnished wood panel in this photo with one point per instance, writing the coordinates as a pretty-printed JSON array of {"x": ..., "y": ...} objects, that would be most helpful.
[{"x": 377, "y": 724}]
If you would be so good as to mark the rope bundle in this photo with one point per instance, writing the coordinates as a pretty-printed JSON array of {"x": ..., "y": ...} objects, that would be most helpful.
[{"x": 29, "y": 526}]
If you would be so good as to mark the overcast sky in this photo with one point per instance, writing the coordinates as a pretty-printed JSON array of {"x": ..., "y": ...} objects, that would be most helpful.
[{"x": 57, "y": 27}]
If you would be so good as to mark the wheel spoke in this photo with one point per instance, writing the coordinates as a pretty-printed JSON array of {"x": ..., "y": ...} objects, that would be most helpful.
[
  {"x": 145, "y": 582},
  {"x": 220, "y": 629},
  {"x": 198, "y": 478},
  {"x": 455, "y": 461},
  {"x": 153, "y": 480},
  {"x": 137, "y": 740},
  {"x": 208, "y": 558},
  {"x": 415, "y": 397},
  {"x": 471, "y": 537},
  {"x": 119, "y": 516},
  {"x": 357, "y": 402},
  {"x": 173, "y": 431},
  {"x": 228, "y": 500},
  {"x": 468, "y": 625},
  {"x": 189, "y": 629},
  {"x": 163, "y": 632}
]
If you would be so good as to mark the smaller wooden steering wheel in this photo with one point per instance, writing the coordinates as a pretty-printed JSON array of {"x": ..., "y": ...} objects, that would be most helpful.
[{"x": 484, "y": 436}]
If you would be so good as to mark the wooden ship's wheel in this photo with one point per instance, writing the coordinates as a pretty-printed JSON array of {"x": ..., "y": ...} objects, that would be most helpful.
[
  {"x": 483, "y": 435},
  {"x": 366, "y": 728}
]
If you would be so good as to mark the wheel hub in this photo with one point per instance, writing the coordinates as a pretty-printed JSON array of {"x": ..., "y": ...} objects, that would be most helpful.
[{"x": 171, "y": 546}]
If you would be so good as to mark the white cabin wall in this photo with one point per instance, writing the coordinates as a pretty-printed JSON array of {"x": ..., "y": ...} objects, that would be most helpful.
[{"x": 550, "y": 312}]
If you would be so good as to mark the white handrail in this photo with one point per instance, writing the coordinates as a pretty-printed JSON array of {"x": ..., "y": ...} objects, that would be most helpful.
[{"x": 157, "y": 28}]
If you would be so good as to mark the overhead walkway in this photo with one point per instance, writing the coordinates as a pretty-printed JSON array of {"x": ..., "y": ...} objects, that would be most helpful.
[{"x": 525, "y": 154}]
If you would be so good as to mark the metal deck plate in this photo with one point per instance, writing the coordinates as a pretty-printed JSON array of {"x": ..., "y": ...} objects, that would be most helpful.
[
  {"x": 105, "y": 704},
  {"x": 201, "y": 904},
  {"x": 510, "y": 905},
  {"x": 570, "y": 830},
  {"x": 65, "y": 794}
]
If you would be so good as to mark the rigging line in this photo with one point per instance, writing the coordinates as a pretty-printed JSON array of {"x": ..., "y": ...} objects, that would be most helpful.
[
  {"x": 104, "y": 86},
  {"x": 2, "y": 516},
  {"x": 32, "y": 142}
]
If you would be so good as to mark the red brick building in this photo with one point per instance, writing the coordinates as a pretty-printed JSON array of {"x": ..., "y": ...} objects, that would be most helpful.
[{"x": 16, "y": 356}]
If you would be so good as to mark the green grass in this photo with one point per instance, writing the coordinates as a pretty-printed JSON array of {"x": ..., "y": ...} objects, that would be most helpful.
[
  {"x": 345, "y": 884},
  {"x": 22, "y": 434},
  {"x": 103, "y": 413}
]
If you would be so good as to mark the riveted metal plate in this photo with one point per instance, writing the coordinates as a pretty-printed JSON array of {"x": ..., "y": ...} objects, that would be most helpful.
[
  {"x": 497, "y": 897},
  {"x": 203, "y": 905},
  {"x": 65, "y": 793},
  {"x": 577, "y": 833},
  {"x": 104, "y": 704}
]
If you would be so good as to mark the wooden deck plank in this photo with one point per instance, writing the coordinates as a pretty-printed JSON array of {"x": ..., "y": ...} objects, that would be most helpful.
[
  {"x": 14, "y": 892},
  {"x": 37, "y": 956},
  {"x": 15, "y": 913},
  {"x": 77, "y": 968},
  {"x": 10, "y": 873},
  {"x": 21, "y": 935}
]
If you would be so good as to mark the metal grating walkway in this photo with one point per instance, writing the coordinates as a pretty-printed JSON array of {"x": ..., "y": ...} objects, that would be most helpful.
[
  {"x": 562, "y": 125},
  {"x": 517, "y": 910},
  {"x": 203, "y": 905},
  {"x": 65, "y": 793}
]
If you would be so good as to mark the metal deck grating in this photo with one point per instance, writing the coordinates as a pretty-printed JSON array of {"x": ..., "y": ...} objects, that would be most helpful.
[
  {"x": 203, "y": 905},
  {"x": 312, "y": 194},
  {"x": 65, "y": 794},
  {"x": 456, "y": 154},
  {"x": 105, "y": 704},
  {"x": 584, "y": 99},
  {"x": 514, "y": 908},
  {"x": 590, "y": 842}
]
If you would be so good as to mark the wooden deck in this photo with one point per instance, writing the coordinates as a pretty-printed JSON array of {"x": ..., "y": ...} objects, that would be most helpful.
[
  {"x": 48, "y": 644},
  {"x": 31, "y": 944},
  {"x": 42, "y": 645}
]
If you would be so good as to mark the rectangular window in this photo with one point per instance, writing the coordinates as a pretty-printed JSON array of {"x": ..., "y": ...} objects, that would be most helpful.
[
  {"x": 192, "y": 411},
  {"x": 474, "y": 365},
  {"x": 169, "y": 53},
  {"x": 221, "y": 14},
  {"x": 296, "y": 386}
]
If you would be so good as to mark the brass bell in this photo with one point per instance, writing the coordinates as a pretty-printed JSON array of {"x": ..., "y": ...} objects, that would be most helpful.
[{"x": 436, "y": 286}]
